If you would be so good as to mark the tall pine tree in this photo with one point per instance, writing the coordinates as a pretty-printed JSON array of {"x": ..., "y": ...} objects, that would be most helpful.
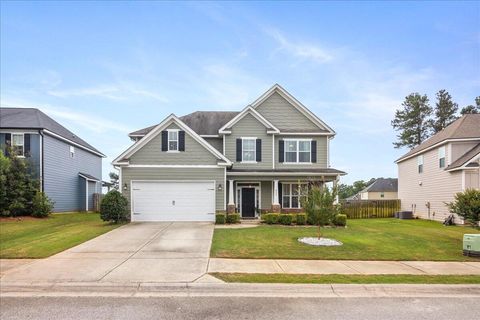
[
  {"x": 445, "y": 111},
  {"x": 412, "y": 121},
  {"x": 471, "y": 109}
]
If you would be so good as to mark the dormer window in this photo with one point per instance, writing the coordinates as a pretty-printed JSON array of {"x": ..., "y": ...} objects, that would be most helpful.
[
  {"x": 441, "y": 157},
  {"x": 172, "y": 140},
  {"x": 420, "y": 164}
]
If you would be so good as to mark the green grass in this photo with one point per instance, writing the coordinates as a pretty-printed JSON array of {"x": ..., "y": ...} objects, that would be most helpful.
[
  {"x": 40, "y": 238},
  {"x": 350, "y": 279},
  {"x": 363, "y": 239}
]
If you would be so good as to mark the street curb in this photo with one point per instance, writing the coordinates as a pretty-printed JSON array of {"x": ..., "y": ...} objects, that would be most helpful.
[{"x": 235, "y": 290}]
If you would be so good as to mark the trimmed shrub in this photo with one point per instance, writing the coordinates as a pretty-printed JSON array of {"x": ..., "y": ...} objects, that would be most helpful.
[
  {"x": 270, "y": 218},
  {"x": 285, "y": 219},
  {"x": 340, "y": 220},
  {"x": 41, "y": 205},
  {"x": 467, "y": 206},
  {"x": 114, "y": 207},
  {"x": 233, "y": 218},
  {"x": 220, "y": 218},
  {"x": 301, "y": 219}
]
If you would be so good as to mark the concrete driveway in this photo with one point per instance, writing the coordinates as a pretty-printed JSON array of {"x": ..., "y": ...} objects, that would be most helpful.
[{"x": 137, "y": 252}]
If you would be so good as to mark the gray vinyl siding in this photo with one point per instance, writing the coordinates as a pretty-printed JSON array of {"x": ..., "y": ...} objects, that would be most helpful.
[
  {"x": 194, "y": 154},
  {"x": 82, "y": 189},
  {"x": 61, "y": 180},
  {"x": 283, "y": 115},
  {"x": 34, "y": 158},
  {"x": 322, "y": 153},
  {"x": 92, "y": 188},
  {"x": 266, "y": 191},
  {"x": 248, "y": 126},
  {"x": 217, "y": 174},
  {"x": 217, "y": 143}
]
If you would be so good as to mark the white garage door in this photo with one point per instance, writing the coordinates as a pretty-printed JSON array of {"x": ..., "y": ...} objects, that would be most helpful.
[{"x": 173, "y": 201}]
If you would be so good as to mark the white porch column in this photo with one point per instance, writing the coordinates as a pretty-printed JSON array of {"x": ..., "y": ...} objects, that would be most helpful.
[
  {"x": 275, "y": 192},
  {"x": 335, "y": 183},
  {"x": 230, "y": 193}
]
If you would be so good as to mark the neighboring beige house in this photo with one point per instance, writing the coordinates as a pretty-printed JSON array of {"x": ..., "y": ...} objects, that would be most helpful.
[
  {"x": 380, "y": 189},
  {"x": 259, "y": 159},
  {"x": 448, "y": 162}
]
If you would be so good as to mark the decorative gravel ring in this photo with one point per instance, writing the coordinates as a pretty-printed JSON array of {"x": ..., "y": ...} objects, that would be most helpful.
[{"x": 325, "y": 242}]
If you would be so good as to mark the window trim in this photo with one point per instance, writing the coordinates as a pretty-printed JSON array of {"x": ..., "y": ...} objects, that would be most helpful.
[
  {"x": 22, "y": 145},
  {"x": 254, "y": 149},
  {"x": 297, "y": 151},
  {"x": 420, "y": 164},
  {"x": 290, "y": 195},
  {"x": 72, "y": 152},
  {"x": 168, "y": 140},
  {"x": 444, "y": 158}
]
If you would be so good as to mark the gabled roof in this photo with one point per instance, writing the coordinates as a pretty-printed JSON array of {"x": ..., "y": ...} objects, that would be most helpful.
[
  {"x": 31, "y": 118},
  {"x": 202, "y": 122},
  {"x": 158, "y": 128},
  {"x": 249, "y": 110},
  {"x": 470, "y": 155},
  {"x": 382, "y": 185},
  {"x": 466, "y": 127},
  {"x": 276, "y": 88}
]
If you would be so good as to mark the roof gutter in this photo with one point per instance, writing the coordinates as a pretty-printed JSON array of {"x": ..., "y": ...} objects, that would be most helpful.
[{"x": 74, "y": 143}]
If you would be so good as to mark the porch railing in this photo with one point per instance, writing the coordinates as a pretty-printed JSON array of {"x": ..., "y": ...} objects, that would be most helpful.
[{"x": 360, "y": 209}]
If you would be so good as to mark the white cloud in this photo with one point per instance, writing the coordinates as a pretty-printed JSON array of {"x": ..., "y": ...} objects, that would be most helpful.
[
  {"x": 112, "y": 91},
  {"x": 91, "y": 122},
  {"x": 307, "y": 51}
]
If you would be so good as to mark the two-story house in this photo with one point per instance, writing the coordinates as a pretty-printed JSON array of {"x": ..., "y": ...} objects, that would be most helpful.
[
  {"x": 260, "y": 159},
  {"x": 69, "y": 169},
  {"x": 432, "y": 173}
]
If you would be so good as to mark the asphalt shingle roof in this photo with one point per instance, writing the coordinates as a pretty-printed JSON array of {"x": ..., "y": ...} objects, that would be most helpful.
[
  {"x": 31, "y": 118},
  {"x": 466, "y": 157},
  {"x": 383, "y": 185},
  {"x": 468, "y": 126}
]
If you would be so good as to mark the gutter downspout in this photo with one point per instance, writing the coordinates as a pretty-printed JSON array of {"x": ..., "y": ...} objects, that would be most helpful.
[{"x": 42, "y": 186}]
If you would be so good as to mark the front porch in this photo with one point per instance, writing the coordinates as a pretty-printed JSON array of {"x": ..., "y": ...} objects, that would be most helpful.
[{"x": 252, "y": 193}]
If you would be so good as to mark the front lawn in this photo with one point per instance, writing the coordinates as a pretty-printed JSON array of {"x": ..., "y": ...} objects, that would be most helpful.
[
  {"x": 40, "y": 238},
  {"x": 364, "y": 239},
  {"x": 341, "y": 278}
]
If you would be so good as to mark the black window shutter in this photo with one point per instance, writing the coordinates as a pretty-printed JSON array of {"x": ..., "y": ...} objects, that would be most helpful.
[
  {"x": 239, "y": 150},
  {"x": 26, "y": 144},
  {"x": 281, "y": 149},
  {"x": 280, "y": 194},
  {"x": 8, "y": 143},
  {"x": 181, "y": 140},
  {"x": 313, "y": 150},
  {"x": 259, "y": 150},
  {"x": 164, "y": 140}
]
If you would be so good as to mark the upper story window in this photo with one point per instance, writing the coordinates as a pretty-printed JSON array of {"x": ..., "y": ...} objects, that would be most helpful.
[
  {"x": 72, "y": 151},
  {"x": 420, "y": 164},
  {"x": 172, "y": 140},
  {"x": 441, "y": 157},
  {"x": 18, "y": 144},
  {"x": 248, "y": 149},
  {"x": 298, "y": 151}
]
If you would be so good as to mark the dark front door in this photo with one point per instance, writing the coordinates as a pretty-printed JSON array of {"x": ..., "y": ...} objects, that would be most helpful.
[{"x": 248, "y": 202}]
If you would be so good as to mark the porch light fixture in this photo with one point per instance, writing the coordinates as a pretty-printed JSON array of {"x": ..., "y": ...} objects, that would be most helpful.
[
  {"x": 124, "y": 186},
  {"x": 220, "y": 187}
]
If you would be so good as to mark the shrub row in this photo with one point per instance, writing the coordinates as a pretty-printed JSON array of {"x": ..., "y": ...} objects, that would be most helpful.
[
  {"x": 221, "y": 218},
  {"x": 298, "y": 219}
]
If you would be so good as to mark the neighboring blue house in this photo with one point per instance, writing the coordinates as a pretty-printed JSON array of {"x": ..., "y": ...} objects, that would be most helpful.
[{"x": 69, "y": 169}]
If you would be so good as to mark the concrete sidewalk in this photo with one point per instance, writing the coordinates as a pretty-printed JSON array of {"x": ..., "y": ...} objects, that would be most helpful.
[{"x": 342, "y": 267}]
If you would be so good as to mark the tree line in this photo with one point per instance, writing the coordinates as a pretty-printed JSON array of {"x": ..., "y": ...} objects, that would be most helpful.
[{"x": 417, "y": 120}]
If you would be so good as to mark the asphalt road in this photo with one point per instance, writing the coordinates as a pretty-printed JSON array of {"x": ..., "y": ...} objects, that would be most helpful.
[{"x": 239, "y": 308}]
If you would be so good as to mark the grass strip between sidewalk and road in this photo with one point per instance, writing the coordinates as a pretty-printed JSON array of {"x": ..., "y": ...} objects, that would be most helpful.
[{"x": 346, "y": 279}]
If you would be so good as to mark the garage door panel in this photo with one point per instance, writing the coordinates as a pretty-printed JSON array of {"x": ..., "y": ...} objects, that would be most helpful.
[{"x": 173, "y": 201}]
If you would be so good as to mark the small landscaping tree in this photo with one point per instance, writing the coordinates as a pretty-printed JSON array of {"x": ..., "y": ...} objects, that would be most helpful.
[
  {"x": 114, "y": 207},
  {"x": 467, "y": 205},
  {"x": 320, "y": 206}
]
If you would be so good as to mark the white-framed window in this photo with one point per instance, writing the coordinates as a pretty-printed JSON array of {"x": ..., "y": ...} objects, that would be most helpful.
[
  {"x": 172, "y": 140},
  {"x": 18, "y": 144},
  {"x": 441, "y": 157},
  {"x": 298, "y": 151},
  {"x": 249, "y": 147},
  {"x": 420, "y": 164},
  {"x": 72, "y": 151},
  {"x": 292, "y": 195}
]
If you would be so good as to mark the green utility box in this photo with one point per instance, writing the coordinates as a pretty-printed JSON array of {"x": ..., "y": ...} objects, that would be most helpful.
[{"x": 471, "y": 245}]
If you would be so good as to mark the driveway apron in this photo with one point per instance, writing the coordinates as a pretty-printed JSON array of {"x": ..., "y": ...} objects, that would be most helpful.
[{"x": 137, "y": 252}]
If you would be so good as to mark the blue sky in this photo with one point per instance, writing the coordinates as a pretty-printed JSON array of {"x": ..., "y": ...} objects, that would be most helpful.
[{"x": 104, "y": 69}]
